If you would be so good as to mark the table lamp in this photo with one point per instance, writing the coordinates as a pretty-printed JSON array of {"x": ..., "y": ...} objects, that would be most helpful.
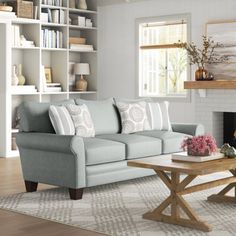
[{"x": 81, "y": 69}]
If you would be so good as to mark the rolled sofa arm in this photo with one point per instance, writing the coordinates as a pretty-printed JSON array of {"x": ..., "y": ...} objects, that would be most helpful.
[
  {"x": 191, "y": 129},
  {"x": 52, "y": 159},
  {"x": 49, "y": 142}
]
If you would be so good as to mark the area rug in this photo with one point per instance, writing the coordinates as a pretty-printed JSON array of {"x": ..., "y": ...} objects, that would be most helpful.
[{"x": 116, "y": 209}]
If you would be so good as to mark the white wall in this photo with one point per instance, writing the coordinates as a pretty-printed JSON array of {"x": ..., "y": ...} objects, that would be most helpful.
[{"x": 116, "y": 39}]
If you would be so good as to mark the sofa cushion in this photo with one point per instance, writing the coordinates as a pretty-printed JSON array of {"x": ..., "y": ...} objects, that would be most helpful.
[
  {"x": 34, "y": 116},
  {"x": 61, "y": 120},
  {"x": 99, "y": 151},
  {"x": 171, "y": 141},
  {"x": 137, "y": 146},
  {"x": 159, "y": 115},
  {"x": 81, "y": 119},
  {"x": 104, "y": 115},
  {"x": 133, "y": 117}
]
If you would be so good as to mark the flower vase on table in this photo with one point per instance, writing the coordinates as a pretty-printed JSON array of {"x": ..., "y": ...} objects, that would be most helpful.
[{"x": 199, "y": 146}]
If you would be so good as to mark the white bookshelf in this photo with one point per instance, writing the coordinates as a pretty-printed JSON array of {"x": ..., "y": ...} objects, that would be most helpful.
[{"x": 32, "y": 59}]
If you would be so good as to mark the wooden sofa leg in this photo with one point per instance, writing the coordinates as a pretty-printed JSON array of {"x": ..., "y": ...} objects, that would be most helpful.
[
  {"x": 31, "y": 186},
  {"x": 76, "y": 194}
]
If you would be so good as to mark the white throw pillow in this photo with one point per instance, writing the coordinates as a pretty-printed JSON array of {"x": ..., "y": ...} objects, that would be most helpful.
[
  {"x": 159, "y": 116},
  {"x": 133, "y": 117},
  {"x": 61, "y": 120},
  {"x": 82, "y": 120}
]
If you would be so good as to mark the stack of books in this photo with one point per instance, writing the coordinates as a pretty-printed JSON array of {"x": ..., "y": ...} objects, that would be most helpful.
[
  {"x": 52, "y": 38},
  {"x": 79, "y": 44},
  {"x": 56, "y": 16},
  {"x": 19, "y": 89},
  {"x": 53, "y": 87},
  {"x": 57, "y": 3}
]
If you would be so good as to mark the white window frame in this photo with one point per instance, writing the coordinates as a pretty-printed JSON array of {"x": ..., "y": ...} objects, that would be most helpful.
[{"x": 187, "y": 17}]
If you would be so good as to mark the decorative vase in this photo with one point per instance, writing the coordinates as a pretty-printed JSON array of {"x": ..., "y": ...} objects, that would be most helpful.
[
  {"x": 82, "y": 5},
  {"x": 14, "y": 78},
  {"x": 200, "y": 74},
  {"x": 81, "y": 84},
  {"x": 21, "y": 78},
  {"x": 193, "y": 153}
]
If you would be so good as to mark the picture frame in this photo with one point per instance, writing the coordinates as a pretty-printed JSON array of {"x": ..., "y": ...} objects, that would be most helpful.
[
  {"x": 48, "y": 74},
  {"x": 223, "y": 32}
]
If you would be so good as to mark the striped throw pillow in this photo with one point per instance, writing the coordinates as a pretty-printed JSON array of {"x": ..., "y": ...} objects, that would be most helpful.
[
  {"x": 159, "y": 116},
  {"x": 61, "y": 120}
]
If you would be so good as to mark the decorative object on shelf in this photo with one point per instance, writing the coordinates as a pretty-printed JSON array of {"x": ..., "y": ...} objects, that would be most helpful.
[
  {"x": 48, "y": 74},
  {"x": 21, "y": 78},
  {"x": 26, "y": 43},
  {"x": 71, "y": 3},
  {"x": 23, "y": 9},
  {"x": 14, "y": 78},
  {"x": 202, "y": 145},
  {"x": 48, "y": 85},
  {"x": 228, "y": 151},
  {"x": 203, "y": 56},
  {"x": 81, "y": 69},
  {"x": 82, "y": 5},
  {"x": 4, "y": 7}
]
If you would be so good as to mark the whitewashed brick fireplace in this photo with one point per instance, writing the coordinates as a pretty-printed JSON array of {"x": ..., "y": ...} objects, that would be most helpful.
[{"x": 209, "y": 110}]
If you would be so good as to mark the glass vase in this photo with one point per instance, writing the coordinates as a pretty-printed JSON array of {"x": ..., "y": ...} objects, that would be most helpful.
[{"x": 200, "y": 74}]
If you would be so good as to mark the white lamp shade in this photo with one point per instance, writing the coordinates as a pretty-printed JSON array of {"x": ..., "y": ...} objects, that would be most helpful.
[{"x": 81, "y": 69}]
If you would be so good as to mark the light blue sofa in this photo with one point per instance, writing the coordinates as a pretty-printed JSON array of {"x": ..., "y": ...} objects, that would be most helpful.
[{"x": 76, "y": 162}]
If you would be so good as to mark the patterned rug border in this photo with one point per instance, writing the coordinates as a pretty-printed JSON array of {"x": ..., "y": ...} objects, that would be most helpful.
[{"x": 44, "y": 218}]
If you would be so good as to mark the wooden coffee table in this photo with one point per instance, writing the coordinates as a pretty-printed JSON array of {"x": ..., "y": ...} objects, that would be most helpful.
[{"x": 162, "y": 165}]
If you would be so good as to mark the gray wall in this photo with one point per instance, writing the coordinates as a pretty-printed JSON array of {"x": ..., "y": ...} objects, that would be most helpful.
[{"x": 116, "y": 39}]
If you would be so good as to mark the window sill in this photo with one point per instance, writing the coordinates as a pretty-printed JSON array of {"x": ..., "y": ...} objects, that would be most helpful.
[{"x": 175, "y": 99}]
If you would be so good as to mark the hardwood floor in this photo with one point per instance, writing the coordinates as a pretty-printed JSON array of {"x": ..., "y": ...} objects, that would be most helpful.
[{"x": 14, "y": 224}]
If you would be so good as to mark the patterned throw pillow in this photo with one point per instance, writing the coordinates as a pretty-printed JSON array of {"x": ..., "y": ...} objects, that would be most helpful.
[
  {"x": 159, "y": 116},
  {"x": 133, "y": 117},
  {"x": 61, "y": 120},
  {"x": 82, "y": 120}
]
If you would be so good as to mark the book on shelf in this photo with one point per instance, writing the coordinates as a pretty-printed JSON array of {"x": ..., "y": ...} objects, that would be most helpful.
[
  {"x": 7, "y": 15},
  {"x": 49, "y": 85},
  {"x": 76, "y": 40},
  {"x": 81, "y": 47},
  {"x": 23, "y": 89},
  {"x": 57, "y": 3},
  {"x": 52, "y": 38},
  {"x": 52, "y": 89}
]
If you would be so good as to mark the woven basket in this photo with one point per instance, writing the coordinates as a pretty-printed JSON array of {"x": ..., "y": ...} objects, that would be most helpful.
[{"x": 22, "y": 8}]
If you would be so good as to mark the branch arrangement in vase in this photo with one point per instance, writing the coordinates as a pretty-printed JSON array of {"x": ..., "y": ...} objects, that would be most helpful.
[{"x": 203, "y": 56}]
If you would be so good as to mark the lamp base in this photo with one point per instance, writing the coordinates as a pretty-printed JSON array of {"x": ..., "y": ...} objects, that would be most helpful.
[{"x": 81, "y": 84}]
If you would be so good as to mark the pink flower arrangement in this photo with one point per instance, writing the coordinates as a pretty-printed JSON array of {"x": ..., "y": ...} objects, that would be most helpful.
[{"x": 200, "y": 145}]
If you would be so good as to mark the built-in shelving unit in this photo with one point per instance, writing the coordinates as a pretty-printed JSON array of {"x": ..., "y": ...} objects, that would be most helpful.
[{"x": 33, "y": 58}]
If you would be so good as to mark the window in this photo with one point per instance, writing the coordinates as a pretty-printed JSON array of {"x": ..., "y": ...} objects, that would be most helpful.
[{"x": 163, "y": 67}]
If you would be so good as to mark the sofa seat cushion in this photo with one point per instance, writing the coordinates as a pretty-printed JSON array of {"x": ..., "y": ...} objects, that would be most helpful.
[
  {"x": 171, "y": 141},
  {"x": 137, "y": 146},
  {"x": 99, "y": 151}
]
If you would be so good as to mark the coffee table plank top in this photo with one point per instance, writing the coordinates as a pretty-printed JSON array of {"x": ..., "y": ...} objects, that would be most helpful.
[{"x": 165, "y": 163}]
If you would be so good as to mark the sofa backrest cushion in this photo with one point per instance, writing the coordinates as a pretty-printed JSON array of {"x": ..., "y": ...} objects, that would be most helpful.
[
  {"x": 34, "y": 116},
  {"x": 104, "y": 115}
]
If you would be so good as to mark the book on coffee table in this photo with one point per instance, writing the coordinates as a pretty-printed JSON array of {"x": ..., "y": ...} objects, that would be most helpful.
[{"x": 183, "y": 156}]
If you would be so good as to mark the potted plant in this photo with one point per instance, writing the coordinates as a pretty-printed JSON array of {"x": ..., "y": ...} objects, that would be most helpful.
[
  {"x": 203, "y": 56},
  {"x": 202, "y": 145}
]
